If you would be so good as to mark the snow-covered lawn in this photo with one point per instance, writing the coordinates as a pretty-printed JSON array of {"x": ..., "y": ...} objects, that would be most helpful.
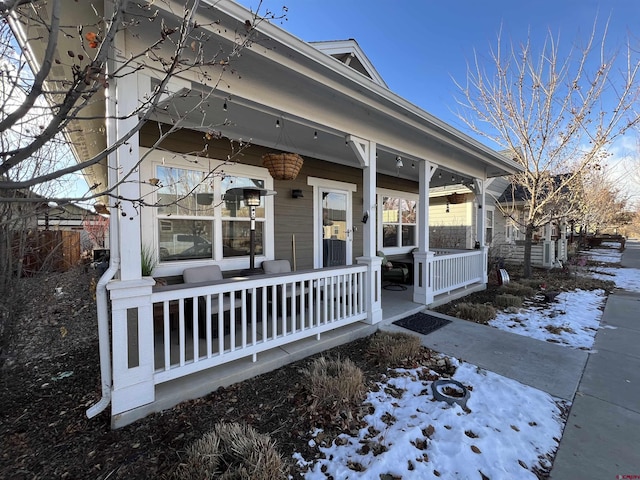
[
  {"x": 572, "y": 319},
  {"x": 608, "y": 253},
  {"x": 626, "y": 278},
  {"x": 507, "y": 431}
]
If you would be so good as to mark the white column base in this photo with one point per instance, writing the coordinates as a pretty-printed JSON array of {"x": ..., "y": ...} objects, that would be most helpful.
[{"x": 373, "y": 288}]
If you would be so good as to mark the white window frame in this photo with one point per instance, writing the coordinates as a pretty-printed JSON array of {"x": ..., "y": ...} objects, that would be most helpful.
[
  {"x": 491, "y": 227},
  {"x": 384, "y": 192},
  {"x": 150, "y": 219}
]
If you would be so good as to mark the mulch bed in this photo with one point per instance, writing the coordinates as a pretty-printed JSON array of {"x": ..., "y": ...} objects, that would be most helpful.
[{"x": 52, "y": 376}]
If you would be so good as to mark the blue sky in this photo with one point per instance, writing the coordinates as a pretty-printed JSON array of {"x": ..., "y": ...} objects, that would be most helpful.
[{"x": 419, "y": 45}]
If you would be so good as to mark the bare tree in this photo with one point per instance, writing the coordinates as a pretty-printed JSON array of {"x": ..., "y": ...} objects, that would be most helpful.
[
  {"x": 44, "y": 103},
  {"x": 28, "y": 123},
  {"x": 602, "y": 204},
  {"x": 556, "y": 110}
]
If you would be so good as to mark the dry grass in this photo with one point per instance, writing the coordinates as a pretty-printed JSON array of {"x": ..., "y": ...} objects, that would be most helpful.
[
  {"x": 507, "y": 300},
  {"x": 334, "y": 382},
  {"x": 394, "y": 348},
  {"x": 232, "y": 451},
  {"x": 479, "y": 313},
  {"x": 519, "y": 289}
]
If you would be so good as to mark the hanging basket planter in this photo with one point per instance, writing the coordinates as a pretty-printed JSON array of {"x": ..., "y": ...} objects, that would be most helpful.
[
  {"x": 283, "y": 166},
  {"x": 457, "y": 198}
]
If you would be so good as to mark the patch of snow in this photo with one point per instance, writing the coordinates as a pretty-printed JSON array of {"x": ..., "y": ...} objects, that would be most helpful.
[
  {"x": 572, "y": 319},
  {"x": 508, "y": 429},
  {"x": 626, "y": 278}
]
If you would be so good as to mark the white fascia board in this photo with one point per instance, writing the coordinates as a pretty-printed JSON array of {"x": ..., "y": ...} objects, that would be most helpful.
[{"x": 338, "y": 47}]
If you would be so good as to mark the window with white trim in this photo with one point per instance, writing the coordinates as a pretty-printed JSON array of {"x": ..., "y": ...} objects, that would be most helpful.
[
  {"x": 399, "y": 220},
  {"x": 488, "y": 226},
  {"x": 192, "y": 222}
]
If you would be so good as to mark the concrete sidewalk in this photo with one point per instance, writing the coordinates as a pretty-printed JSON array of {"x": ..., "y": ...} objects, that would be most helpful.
[{"x": 601, "y": 439}]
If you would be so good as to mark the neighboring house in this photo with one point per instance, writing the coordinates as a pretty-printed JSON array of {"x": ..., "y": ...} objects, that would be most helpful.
[
  {"x": 371, "y": 160},
  {"x": 549, "y": 247}
]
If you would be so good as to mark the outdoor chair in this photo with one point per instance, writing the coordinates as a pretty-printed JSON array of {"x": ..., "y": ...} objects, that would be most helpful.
[
  {"x": 394, "y": 273},
  {"x": 206, "y": 275},
  {"x": 272, "y": 267}
]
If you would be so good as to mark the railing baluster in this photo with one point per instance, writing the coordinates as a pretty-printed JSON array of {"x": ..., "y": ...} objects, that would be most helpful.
[{"x": 166, "y": 334}]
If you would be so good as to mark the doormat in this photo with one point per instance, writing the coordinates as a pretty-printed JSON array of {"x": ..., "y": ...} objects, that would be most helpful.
[{"x": 422, "y": 323}]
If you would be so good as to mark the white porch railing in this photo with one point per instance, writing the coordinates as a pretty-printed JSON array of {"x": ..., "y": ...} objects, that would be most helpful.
[
  {"x": 450, "y": 271},
  {"x": 201, "y": 326}
]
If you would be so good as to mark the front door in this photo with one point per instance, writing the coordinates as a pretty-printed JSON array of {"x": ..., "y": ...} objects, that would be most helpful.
[{"x": 336, "y": 228}]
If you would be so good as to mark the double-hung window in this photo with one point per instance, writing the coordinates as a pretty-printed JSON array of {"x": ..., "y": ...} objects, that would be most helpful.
[
  {"x": 195, "y": 221},
  {"x": 186, "y": 216},
  {"x": 399, "y": 217}
]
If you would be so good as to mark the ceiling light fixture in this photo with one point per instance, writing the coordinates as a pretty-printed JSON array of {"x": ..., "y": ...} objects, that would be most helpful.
[
  {"x": 315, "y": 135},
  {"x": 277, "y": 123},
  {"x": 224, "y": 106},
  {"x": 399, "y": 163}
]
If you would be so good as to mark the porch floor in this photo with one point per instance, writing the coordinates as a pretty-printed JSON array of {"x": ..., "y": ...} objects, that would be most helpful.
[{"x": 395, "y": 304}]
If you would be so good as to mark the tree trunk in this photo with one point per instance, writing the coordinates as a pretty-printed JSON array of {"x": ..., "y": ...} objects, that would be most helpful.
[{"x": 528, "y": 239}]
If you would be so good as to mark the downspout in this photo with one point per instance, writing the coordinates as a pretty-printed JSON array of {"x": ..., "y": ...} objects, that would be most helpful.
[
  {"x": 103, "y": 337},
  {"x": 102, "y": 304},
  {"x": 102, "y": 300}
]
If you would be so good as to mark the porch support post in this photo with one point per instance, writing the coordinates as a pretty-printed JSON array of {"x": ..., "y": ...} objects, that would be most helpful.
[
  {"x": 562, "y": 243},
  {"x": 126, "y": 94},
  {"x": 548, "y": 250},
  {"x": 365, "y": 150},
  {"x": 130, "y": 295},
  {"x": 481, "y": 219},
  {"x": 132, "y": 332},
  {"x": 423, "y": 258}
]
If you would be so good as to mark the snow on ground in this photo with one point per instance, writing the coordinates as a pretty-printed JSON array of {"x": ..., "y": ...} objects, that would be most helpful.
[
  {"x": 626, "y": 278},
  {"x": 605, "y": 254},
  {"x": 508, "y": 430},
  {"x": 572, "y": 319}
]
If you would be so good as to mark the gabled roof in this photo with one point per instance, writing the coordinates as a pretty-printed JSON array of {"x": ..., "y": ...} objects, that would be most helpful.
[
  {"x": 350, "y": 53},
  {"x": 518, "y": 193}
]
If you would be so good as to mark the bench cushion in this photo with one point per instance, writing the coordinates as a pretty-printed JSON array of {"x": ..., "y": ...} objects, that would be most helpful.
[
  {"x": 207, "y": 273},
  {"x": 276, "y": 266}
]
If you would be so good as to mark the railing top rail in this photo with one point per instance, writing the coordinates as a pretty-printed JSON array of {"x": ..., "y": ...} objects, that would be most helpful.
[
  {"x": 458, "y": 253},
  {"x": 187, "y": 290}
]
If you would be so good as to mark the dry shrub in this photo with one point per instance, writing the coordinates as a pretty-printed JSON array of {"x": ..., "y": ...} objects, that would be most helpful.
[
  {"x": 588, "y": 283},
  {"x": 533, "y": 283},
  {"x": 507, "y": 300},
  {"x": 334, "y": 382},
  {"x": 393, "y": 348},
  {"x": 476, "y": 312},
  {"x": 232, "y": 451},
  {"x": 518, "y": 289}
]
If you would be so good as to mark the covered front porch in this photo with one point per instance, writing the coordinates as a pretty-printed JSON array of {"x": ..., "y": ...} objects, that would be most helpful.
[{"x": 211, "y": 335}]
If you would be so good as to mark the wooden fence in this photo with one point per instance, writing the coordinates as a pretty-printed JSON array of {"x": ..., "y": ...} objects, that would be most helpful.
[{"x": 57, "y": 250}]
